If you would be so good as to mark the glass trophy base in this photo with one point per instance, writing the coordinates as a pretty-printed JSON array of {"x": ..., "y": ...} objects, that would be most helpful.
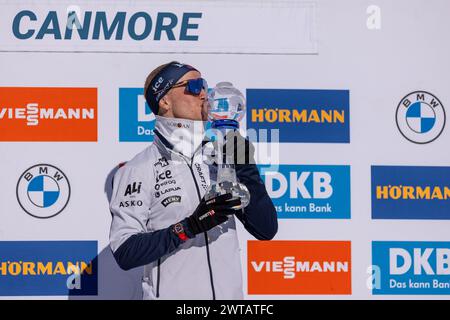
[{"x": 238, "y": 190}]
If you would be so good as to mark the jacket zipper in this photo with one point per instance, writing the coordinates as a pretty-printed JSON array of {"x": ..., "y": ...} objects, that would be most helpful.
[
  {"x": 167, "y": 145},
  {"x": 206, "y": 234},
  {"x": 158, "y": 278}
]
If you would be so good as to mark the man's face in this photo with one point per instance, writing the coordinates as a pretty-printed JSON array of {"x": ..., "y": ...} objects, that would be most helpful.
[{"x": 185, "y": 105}]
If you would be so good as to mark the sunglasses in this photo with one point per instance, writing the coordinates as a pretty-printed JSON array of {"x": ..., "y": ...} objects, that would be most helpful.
[{"x": 193, "y": 86}]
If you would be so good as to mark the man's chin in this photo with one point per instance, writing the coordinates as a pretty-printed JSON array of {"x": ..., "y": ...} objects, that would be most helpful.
[{"x": 204, "y": 116}]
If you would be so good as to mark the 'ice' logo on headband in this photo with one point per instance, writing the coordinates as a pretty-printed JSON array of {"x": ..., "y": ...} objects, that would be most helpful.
[{"x": 157, "y": 84}]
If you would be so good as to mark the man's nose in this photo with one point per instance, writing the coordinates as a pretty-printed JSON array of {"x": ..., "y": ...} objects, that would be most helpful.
[{"x": 202, "y": 94}]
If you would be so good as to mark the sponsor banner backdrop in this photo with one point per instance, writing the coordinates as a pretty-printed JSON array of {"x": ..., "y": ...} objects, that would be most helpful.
[
  {"x": 351, "y": 144},
  {"x": 48, "y": 268},
  {"x": 299, "y": 267},
  {"x": 411, "y": 268},
  {"x": 407, "y": 192}
]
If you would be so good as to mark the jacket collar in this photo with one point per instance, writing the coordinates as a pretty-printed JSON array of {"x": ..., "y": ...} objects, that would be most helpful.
[{"x": 182, "y": 136}]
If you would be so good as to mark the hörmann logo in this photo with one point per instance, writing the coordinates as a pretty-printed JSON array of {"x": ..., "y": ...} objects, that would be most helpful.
[
  {"x": 136, "y": 121},
  {"x": 412, "y": 192},
  {"x": 39, "y": 268},
  {"x": 301, "y": 115},
  {"x": 309, "y": 191},
  {"x": 48, "y": 114},
  {"x": 27, "y": 268},
  {"x": 403, "y": 192},
  {"x": 297, "y": 116},
  {"x": 299, "y": 267},
  {"x": 411, "y": 267},
  {"x": 101, "y": 25}
]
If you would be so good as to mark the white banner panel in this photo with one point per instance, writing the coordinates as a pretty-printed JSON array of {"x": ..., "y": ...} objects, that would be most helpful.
[
  {"x": 361, "y": 175},
  {"x": 255, "y": 27}
]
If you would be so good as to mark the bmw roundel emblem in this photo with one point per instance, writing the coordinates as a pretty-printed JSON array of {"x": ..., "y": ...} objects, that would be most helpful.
[
  {"x": 420, "y": 117},
  {"x": 43, "y": 191}
]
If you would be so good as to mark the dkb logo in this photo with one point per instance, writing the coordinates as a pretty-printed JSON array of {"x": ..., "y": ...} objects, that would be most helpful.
[
  {"x": 309, "y": 191},
  {"x": 412, "y": 267},
  {"x": 136, "y": 121}
]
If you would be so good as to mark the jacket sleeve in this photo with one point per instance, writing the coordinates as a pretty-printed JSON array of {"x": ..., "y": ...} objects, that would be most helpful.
[
  {"x": 130, "y": 206},
  {"x": 259, "y": 217}
]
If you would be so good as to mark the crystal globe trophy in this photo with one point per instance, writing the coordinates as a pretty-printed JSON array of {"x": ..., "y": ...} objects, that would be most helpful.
[{"x": 226, "y": 109}]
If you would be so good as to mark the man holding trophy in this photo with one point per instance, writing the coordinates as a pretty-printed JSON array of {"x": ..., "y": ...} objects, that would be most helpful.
[{"x": 173, "y": 208}]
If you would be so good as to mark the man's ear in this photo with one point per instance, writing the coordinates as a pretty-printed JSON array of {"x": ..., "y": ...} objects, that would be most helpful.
[{"x": 164, "y": 105}]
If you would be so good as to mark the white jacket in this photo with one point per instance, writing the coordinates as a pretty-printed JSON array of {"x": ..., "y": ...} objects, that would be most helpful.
[{"x": 159, "y": 187}]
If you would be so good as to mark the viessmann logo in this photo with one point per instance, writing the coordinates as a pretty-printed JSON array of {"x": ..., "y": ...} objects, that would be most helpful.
[
  {"x": 290, "y": 267},
  {"x": 299, "y": 267},
  {"x": 48, "y": 114},
  {"x": 309, "y": 191},
  {"x": 407, "y": 192},
  {"x": 301, "y": 115},
  {"x": 48, "y": 268}
]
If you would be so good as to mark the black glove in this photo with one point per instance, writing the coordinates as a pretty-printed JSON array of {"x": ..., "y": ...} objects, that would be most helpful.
[
  {"x": 237, "y": 148},
  {"x": 243, "y": 154},
  {"x": 210, "y": 213}
]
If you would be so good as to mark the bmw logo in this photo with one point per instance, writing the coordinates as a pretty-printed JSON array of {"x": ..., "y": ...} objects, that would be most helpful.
[
  {"x": 43, "y": 191},
  {"x": 420, "y": 117}
]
